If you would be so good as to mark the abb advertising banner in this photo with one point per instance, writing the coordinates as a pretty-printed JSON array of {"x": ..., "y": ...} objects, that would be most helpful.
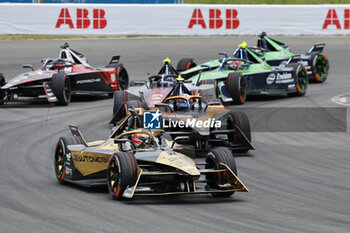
[{"x": 179, "y": 19}]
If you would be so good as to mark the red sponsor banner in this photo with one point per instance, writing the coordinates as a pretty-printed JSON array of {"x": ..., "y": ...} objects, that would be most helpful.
[
  {"x": 215, "y": 19},
  {"x": 178, "y": 19},
  {"x": 82, "y": 19},
  {"x": 333, "y": 19}
]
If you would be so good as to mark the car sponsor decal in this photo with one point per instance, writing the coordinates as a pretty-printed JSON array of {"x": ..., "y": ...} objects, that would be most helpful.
[
  {"x": 89, "y": 162},
  {"x": 271, "y": 78},
  {"x": 279, "y": 78},
  {"x": 113, "y": 78},
  {"x": 97, "y": 80}
]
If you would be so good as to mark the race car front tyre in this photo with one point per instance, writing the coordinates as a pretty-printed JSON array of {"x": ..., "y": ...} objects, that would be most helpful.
[
  {"x": 185, "y": 64},
  {"x": 61, "y": 88},
  {"x": 320, "y": 67},
  {"x": 119, "y": 110},
  {"x": 219, "y": 180},
  {"x": 121, "y": 173},
  {"x": 236, "y": 85},
  {"x": 2, "y": 83},
  {"x": 301, "y": 79},
  {"x": 61, "y": 158},
  {"x": 241, "y": 120}
]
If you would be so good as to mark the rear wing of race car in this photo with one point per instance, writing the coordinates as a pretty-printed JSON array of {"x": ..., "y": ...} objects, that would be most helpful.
[
  {"x": 114, "y": 60},
  {"x": 293, "y": 59},
  {"x": 317, "y": 48},
  {"x": 77, "y": 136}
]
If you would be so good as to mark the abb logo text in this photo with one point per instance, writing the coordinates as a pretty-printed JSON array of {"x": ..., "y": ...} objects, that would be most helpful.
[
  {"x": 332, "y": 19},
  {"x": 215, "y": 20},
  {"x": 82, "y": 20}
]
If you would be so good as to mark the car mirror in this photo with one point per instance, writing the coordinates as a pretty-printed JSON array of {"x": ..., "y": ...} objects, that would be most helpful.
[
  {"x": 121, "y": 140},
  {"x": 223, "y": 54},
  {"x": 180, "y": 139},
  {"x": 124, "y": 144},
  {"x": 25, "y": 66}
]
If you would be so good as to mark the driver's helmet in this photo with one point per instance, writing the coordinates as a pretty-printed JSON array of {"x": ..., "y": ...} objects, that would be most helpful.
[
  {"x": 234, "y": 64},
  {"x": 181, "y": 104},
  {"x": 59, "y": 64},
  {"x": 190, "y": 101},
  {"x": 170, "y": 81},
  {"x": 141, "y": 140},
  {"x": 194, "y": 103}
]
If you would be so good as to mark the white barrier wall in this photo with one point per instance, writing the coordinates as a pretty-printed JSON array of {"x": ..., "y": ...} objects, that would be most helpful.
[{"x": 129, "y": 19}]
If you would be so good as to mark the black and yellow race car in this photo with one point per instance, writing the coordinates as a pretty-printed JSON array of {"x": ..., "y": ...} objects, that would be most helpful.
[
  {"x": 191, "y": 113},
  {"x": 137, "y": 161}
]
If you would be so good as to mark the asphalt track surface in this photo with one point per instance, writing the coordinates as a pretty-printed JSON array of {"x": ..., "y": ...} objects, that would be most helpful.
[{"x": 299, "y": 182}]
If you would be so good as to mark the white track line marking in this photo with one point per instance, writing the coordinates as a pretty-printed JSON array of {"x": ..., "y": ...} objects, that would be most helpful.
[{"x": 343, "y": 99}]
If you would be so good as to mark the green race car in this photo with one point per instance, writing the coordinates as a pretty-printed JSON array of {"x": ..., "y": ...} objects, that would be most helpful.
[
  {"x": 235, "y": 77},
  {"x": 277, "y": 52}
]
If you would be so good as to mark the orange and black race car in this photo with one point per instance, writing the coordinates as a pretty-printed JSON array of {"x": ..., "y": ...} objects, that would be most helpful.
[
  {"x": 208, "y": 124},
  {"x": 137, "y": 161},
  {"x": 57, "y": 79}
]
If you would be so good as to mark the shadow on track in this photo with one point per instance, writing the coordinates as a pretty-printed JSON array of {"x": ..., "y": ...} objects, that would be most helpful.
[
  {"x": 157, "y": 200},
  {"x": 258, "y": 98},
  {"x": 44, "y": 104}
]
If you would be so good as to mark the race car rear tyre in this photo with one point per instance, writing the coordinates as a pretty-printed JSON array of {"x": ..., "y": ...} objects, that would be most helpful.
[
  {"x": 185, "y": 64},
  {"x": 119, "y": 110},
  {"x": 320, "y": 67},
  {"x": 122, "y": 76},
  {"x": 236, "y": 85},
  {"x": 301, "y": 79},
  {"x": 61, "y": 88},
  {"x": 2, "y": 83},
  {"x": 241, "y": 120},
  {"x": 61, "y": 157},
  {"x": 121, "y": 172},
  {"x": 213, "y": 159}
]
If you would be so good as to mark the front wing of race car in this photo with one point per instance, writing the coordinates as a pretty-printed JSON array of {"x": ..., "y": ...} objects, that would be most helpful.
[
  {"x": 29, "y": 92},
  {"x": 189, "y": 185}
]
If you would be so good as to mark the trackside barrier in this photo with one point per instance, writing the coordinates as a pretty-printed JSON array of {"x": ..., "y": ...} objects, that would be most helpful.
[{"x": 166, "y": 19}]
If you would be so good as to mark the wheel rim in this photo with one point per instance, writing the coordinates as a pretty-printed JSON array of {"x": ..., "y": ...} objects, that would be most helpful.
[
  {"x": 113, "y": 176},
  {"x": 66, "y": 91},
  {"x": 59, "y": 161},
  {"x": 321, "y": 67},
  {"x": 123, "y": 80},
  {"x": 301, "y": 80}
]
